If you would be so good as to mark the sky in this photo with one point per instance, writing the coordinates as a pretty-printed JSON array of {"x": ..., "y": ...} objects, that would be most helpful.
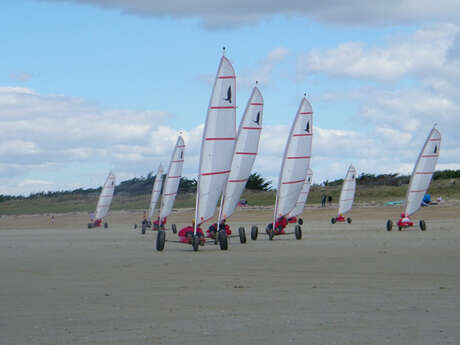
[{"x": 88, "y": 86}]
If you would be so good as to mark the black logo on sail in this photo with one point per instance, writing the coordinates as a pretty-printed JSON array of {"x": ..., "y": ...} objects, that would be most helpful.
[
  {"x": 229, "y": 95},
  {"x": 307, "y": 127},
  {"x": 257, "y": 120}
]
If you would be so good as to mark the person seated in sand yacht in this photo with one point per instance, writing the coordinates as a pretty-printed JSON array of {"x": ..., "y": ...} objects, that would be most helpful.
[
  {"x": 186, "y": 234},
  {"x": 211, "y": 232}
]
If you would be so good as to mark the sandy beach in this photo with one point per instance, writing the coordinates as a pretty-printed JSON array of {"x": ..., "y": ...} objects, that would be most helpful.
[{"x": 341, "y": 284}]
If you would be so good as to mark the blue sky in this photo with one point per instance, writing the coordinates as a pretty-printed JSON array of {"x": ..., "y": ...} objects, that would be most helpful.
[{"x": 68, "y": 68}]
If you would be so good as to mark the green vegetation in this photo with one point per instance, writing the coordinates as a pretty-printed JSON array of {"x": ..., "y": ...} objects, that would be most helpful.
[{"x": 134, "y": 194}]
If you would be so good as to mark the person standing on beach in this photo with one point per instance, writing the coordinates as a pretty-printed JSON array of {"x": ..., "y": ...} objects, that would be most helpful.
[{"x": 323, "y": 200}]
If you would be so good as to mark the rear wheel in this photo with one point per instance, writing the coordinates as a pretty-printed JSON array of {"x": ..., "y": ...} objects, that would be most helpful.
[
  {"x": 161, "y": 239},
  {"x": 223, "y": 239},
  {"x": 254, "y": 232},
  {"x": 349, "y": 220},
  {"x": 242, "y": 233},
  {"x": 298, "y": 232},
  {"x": 300, "y": 221},
  {"x": 271, "y": 234},
  {"x": 174, "y": 228},
  {"x": 106, "y": 225},
  {"x": 143, "y": 229},
  {"x": 422, "y": 225},
  {"x": 135, "y": 226},
  {"x": 389, "y": 225},
  {"x": 399, "y": 228},
  {"x": 333, "y": 220},
  {"x": 195, "y": 242}
]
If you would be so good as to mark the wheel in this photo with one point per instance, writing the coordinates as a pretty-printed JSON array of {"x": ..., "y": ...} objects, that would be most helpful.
[
  {"x": 333, "y": 220},
  {"x": 195, "y": 242},
  {"x": 106, "y": 225},
  {"x": 422, "y": 225},
  {"x": 135, "y": 226},
  {"x": 389, "y": 225},
  {"x": 242, "y": 233},
  {"x": 143, "y": 229},
  {"x": 161, "y": 239},
  {"x": 298, "y": 232},
  {"x": 268, "y": 228},
  {"x": 399, "y": 228},
  {"x": 90, "y": 225},
  {"x": 174, "y": 228},
  {"x": 223, "y": 240},
  {"x": 271, "y": 234},
  {"x": 300, "y": 221},
  {"x": 156, "y": 227},
  {"x": 254, "y": 232},
  {"x": 349, "y": 220}
]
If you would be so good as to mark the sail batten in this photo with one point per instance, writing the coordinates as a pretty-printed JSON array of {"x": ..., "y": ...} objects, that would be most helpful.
[{"x": 156, "y": 191}]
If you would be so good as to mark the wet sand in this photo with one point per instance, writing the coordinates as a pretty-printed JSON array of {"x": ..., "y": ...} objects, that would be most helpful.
[{"x": 341, "y": 284}]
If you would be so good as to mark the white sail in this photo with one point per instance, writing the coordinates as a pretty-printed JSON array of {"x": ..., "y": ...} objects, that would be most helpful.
[
  {"x": 296, "y": 160},
  {"x": 172, "y": 179},
  {"x": 156, "y": 190},
  {"x": 106, "y": 196},
  {"x": 423, "y": 172},
  {"x": 347, "y": 195},
  {"x": 245, "y": 152},
  {"x": 300, "y": 204},
  {"x": 218, "y": 142}
]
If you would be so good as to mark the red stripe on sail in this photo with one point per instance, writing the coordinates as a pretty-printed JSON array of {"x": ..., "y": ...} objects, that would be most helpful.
[
  {"x": 256, "y": 103},
  {"x": 301, "y": 135},
  {"x": 299, "y": 157},
  {"x": 255, "y": 128},
  {"x": 417, "y": 191},
  {"x": 292, "y": 182},
  {"x": 242, "y": 180},
  {"x": 173, "y": 176},
  {"x": 219, "y": 139},
  {"x": 227, "y": 107},
  {"x": 226, "y": 77},
  {"x": 216, "y": 173},
  {"x": 246, "y": 153},
  {"x": 180, "y": 146},
  {"x": 424, "y": 173},
  {"x": 306, "y": 113}
]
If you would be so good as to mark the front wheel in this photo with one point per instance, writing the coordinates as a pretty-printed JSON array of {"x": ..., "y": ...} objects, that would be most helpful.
[
  {"x": 161, "y": 239},
  {"x": 333, "y": 220},
  {"x": 422, "y": 225},
  {"x": 300, "y": 221},
  {"x": 90, "y": 225},
  {"x": 349, "y": 220},
  {"x": 242, "y": 233},
  {"x": 135, "y": 226},
  {"x": 223, "y": 240},
  {"x": 271, "y": 234},
  {"x": 254, "y": 232},
  {"x": 174, "y": 228},
  {"x": 106, "y": 225},
  {"x": 143, "y": 229},
  {"x": 389, "y": 225},
  {"x": 298, "y": 232},
  {"x": 195, "y": 242}
]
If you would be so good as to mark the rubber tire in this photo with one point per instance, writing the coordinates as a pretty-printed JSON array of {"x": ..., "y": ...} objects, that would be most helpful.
[
  {"x": 422, "y": 225},
  {"x": 298, "y": 232},
  {"x": 223, "y": 239},
  {"x": 161, "y": 239},
  {"x": 349, "y": 220},
  {"x": 300, "y": 221},
  {"x": 143, "y": 229},
  {"x": 174, "y": 228},
  {"x": 254, "y": 232},
  {"x": 333, "y": 220},
  {"x": 242, "y": 233},
  {"x": 195, "y": 242},
  {"x": 106, "y": 225},
  {"x": 271, "y": 234},
  {"x": 90, "y": 225},
  {"x": 399, "y": 228},
  {"x": 135, "y": 226},
  {"x": 389, "y": 225}
]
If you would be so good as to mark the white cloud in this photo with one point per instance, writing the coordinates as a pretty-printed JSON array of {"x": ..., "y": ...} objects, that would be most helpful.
[
  {"x": 224, "y": 14},
  {"x": 421, "y": 53}
]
